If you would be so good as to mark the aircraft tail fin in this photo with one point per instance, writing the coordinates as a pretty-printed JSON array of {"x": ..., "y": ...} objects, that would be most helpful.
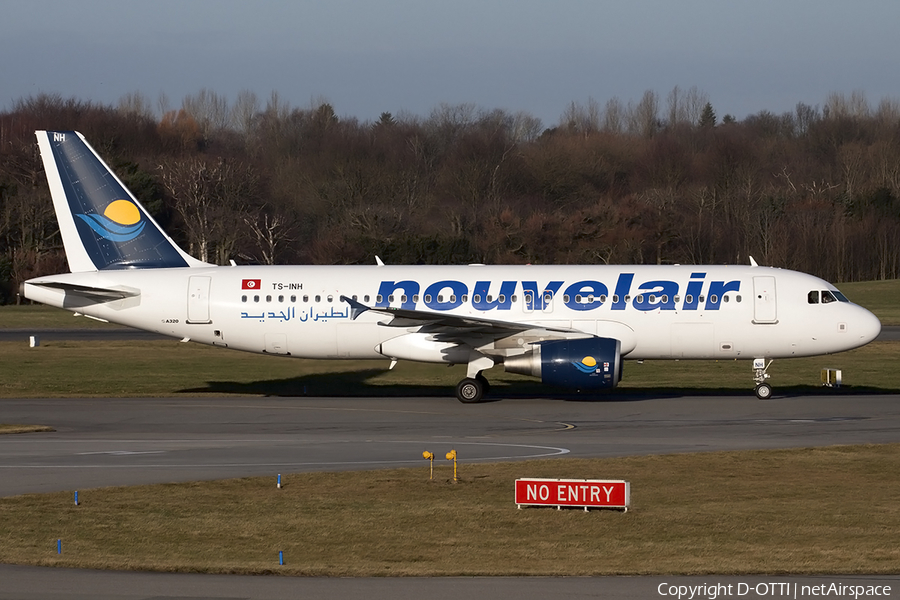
[{"x": 103, "y": 226}]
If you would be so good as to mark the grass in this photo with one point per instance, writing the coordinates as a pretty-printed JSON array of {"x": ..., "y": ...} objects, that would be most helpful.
[
  {"x": 14, "y": 428},
  {"x": 826, "y": 510},
  {"x": 170, "y": 368},
  {"x": 880, "y": 297},
  {"x": 37, "y": 316}
]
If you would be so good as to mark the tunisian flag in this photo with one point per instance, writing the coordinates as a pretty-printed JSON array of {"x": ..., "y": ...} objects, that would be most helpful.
[{"x": 250, "y": 284}]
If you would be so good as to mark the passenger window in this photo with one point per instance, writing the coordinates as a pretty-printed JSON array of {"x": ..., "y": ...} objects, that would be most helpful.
[
  {"x": 268, "y": 298},
  {"x": 566, "y": 299},
  {"x": 379, "y": 298},
  {"x": 689, "y": 299},
  {"x": 714, "y": 299},
  {"x": 281, "y": 298},
  {"x": 813, "y": 297},
  {"x": 476, "y": 298},
  {"x": 243, "y": 298},
  {"x": 428, "y": 298},
  {"x": 293, "y": 298},
  {"x": 318, "y": 298},
  {"x": 256, "y": 298},
  {"x": 403, "y": 298}
]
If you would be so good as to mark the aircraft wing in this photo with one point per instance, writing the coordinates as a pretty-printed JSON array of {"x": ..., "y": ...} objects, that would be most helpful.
[{"x": 454, "y": 325}]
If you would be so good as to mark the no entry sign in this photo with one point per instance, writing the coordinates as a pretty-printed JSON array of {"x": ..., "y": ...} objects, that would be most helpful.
[{"x": 575, "y": 493}]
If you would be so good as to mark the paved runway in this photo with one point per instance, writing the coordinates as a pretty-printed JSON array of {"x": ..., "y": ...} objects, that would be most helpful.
[{"x": 102, "y": 442}]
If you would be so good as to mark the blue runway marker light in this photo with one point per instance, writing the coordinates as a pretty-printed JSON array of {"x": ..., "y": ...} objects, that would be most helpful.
[
  {"x": 76, "y": 497},
  {"x": 59, "y": 546},
  {"x": 279, "y": 481},
  {"x": 280, "y": 557}
]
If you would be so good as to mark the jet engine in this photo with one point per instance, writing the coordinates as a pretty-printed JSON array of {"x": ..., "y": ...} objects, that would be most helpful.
[{"x": 585, "y": 363}]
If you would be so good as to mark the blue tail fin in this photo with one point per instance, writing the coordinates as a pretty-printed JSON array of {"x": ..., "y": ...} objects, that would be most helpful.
[{"x": 102, "y": 224}]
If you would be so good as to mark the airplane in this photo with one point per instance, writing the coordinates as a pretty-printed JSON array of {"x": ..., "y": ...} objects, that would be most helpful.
[{"x": 571, "y": 326}]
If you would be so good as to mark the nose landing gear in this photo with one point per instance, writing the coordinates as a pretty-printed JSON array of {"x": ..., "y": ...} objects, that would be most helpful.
[{"x": 763, "y": 389}]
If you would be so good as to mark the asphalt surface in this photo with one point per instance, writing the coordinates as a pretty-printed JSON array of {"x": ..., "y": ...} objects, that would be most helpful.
[
  {"x": 100, "y": 442},
  {"x": 111, "y": 441}
]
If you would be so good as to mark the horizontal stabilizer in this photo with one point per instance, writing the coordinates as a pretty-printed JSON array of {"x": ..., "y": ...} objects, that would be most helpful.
[{"x": 97, "y": 294}]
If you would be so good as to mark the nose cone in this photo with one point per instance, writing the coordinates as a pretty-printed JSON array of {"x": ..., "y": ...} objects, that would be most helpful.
[{"x": 865, "y": 326}]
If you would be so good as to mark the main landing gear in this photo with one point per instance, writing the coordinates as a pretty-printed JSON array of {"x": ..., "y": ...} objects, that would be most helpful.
[
  {"x": 763, "y": 389},
  {"x": 473, "y": 388}
]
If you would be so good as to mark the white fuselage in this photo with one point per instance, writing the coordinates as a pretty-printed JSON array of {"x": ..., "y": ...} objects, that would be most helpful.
[{"x": 657, "y": 312}]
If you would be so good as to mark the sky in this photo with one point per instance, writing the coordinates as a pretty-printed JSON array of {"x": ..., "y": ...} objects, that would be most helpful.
[{"x": 366, "y": 57}]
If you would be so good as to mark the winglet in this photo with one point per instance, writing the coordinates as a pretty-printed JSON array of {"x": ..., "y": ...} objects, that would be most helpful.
[{"x": 356, "y": 308}]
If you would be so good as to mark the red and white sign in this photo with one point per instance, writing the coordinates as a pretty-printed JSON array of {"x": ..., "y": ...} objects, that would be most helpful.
[
  {"x": 250, "y": 284},
  {"x": 580, "y": 493}
]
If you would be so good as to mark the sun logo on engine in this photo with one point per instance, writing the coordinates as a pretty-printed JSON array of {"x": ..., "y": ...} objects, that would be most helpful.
[
  {"x": 586, "y": 365},
  {"x": 120, "y": 222}
]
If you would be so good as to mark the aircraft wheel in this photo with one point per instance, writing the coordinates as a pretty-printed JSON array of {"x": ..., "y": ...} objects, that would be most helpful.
[
  {"x": 764, "y": 391},
  {"x": 469, "y": 391}
]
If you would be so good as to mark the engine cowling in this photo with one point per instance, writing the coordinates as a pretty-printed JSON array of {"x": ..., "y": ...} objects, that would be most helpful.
[{"x": 585, "y": 364}]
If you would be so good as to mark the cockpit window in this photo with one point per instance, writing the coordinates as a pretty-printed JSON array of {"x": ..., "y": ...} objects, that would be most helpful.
[{"x": 827, "y": 297}]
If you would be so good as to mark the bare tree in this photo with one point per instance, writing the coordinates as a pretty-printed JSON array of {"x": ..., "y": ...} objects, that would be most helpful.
[
  {"x": 644, "y": 118},
  {"x": 212, "y": 197},
  {"x": 136, "y": 104},
  {"x": 244, "y": 111},
  {"x": 208, "y": 109}
]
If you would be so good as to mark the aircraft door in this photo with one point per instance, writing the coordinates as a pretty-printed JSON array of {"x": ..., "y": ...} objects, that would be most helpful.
[
  {"x": 198, "y": 299},
  {"x": 765, "y": 309}
]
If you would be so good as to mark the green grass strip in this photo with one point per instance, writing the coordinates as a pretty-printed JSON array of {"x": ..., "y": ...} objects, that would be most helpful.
[{"x": 810, "y": 511}]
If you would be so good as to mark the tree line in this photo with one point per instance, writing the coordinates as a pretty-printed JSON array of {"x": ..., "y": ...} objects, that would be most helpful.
[{"x": 659, "y": 181}]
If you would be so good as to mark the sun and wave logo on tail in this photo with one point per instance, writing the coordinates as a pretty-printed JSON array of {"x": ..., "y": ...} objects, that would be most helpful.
[{"x": 120, "y": 222}]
